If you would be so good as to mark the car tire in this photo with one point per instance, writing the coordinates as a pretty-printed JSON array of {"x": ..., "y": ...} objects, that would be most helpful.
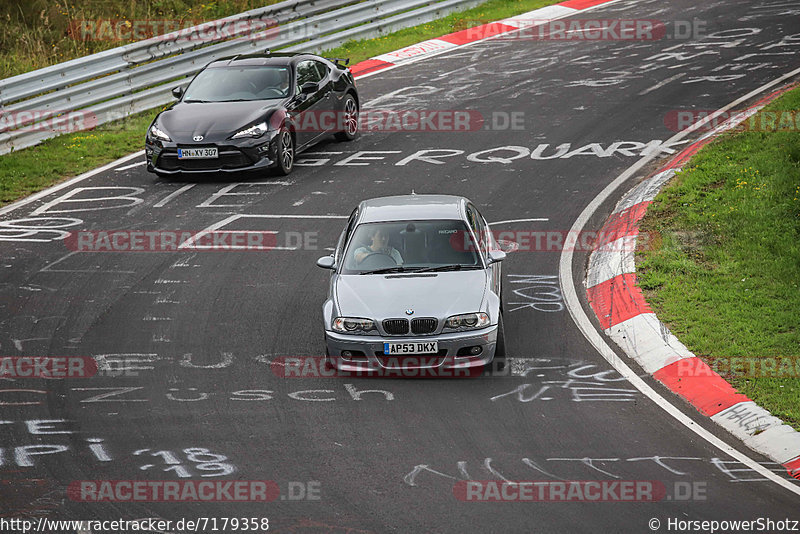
[
  {"x": 350, "y": 120},
  {"x": 284, "y": 152}
]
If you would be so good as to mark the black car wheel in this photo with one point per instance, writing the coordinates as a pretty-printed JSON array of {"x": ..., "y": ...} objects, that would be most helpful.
[
  {"x": 285, "y": 152},
  {"x": 349, "y": 120}
]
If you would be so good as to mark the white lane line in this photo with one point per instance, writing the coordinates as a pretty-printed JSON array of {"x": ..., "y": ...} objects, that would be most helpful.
[
  {"x": 63, "y": 185},
  {"x": 132, "y": 165},
  {"x": 162, "y": 203},
  {"x": 593, "y": 336},
  {"x": 49, "y": 267},
  {"x": 262, "y": 216},
  {"x": 662, "y": 83}
]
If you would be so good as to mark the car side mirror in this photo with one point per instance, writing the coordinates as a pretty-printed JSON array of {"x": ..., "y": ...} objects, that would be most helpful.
[
  {"x": 308, "y": 88},
  {"x": 326, "y": 262},
  {"x": 496, "y": 256},
  {"x": 177, "y": 92}
]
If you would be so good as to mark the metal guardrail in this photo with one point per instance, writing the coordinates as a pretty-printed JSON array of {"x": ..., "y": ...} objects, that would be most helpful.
[{"x": 113, "y": 84}]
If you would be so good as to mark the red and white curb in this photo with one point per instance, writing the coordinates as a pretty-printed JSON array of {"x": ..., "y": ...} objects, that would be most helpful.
[
  {"x": 478, "y": 33},
  {"x": 626, "y": 318}
]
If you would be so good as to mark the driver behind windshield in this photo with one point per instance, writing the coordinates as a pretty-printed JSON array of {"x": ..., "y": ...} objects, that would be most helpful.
[{"x": 379, "y": 244}]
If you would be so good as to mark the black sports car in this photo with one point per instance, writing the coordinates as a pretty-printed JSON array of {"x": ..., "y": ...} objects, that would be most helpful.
[{"x": 251, "y": 112}]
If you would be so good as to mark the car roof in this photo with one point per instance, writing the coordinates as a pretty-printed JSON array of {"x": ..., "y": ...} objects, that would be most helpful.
[
  {"x": 272, "y": 58},
  {"x": 412, "y": 207}
]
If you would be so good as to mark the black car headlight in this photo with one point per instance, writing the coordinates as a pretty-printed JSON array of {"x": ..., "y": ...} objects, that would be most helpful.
[
  {"x": 467, "y": 321},
  {"x": 257, "y": 130},
  {"x": 159, "y": 134},
  {"x": 353, "y": 325}
]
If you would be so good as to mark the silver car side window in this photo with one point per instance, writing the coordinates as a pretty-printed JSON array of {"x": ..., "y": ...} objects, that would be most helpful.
[
  {"x": 475, "y": 222},
  {"x": 346, "y": 233}
]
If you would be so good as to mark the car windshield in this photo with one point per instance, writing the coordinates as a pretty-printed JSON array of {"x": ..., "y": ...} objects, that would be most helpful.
[
  {"x": 229, "y": 84},
  {"x": 438, "y": 245}
]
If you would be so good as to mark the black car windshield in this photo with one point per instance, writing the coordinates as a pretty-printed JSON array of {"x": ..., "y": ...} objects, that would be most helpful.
[
  {"x": 408, "y": 246},
  {"x": 228, "y": 84}
]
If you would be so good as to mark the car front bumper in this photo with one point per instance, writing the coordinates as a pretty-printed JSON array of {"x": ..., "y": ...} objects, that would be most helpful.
[
  {"x": 234, "y": 156},
  {"x": 369, "y": 355}
]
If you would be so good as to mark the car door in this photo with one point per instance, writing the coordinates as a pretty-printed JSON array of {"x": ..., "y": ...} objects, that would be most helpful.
[
  {"x": 308, "y": 109},
  {"x": 327, "y": 89}
]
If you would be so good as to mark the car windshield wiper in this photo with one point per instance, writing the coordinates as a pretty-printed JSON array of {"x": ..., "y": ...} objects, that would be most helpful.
[
  {"x": 455, "y": 267},
  {"x": 395, "y": 269},
  {"x": 193, "y": 101}
]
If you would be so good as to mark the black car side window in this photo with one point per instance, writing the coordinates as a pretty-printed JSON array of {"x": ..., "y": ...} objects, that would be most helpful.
[
  {"x": 322, "y": 69},
  {"x": 307, "y": 72}
]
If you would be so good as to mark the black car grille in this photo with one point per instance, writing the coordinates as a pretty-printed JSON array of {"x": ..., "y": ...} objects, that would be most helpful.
[
  {"x": 423, "y": 325},
  {"x": 400, "y": 327},
  {"x": 396, "y": 327},
  {"x": 228, "y": 159}
]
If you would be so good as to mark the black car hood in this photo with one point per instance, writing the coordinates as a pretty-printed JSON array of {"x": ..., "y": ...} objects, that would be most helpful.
[{"x": 215, "y": 121}]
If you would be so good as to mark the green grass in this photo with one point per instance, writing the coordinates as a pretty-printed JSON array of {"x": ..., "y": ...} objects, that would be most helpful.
[
  {"x": 54, "y": 160},
  {"x": 725, "y": 274},
  {"x": 35, "y": 168}
]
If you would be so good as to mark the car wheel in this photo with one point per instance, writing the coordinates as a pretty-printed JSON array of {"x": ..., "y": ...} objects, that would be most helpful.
[
  {"x": 285, "y": 152},
  {"x": 350, "y": 120}
]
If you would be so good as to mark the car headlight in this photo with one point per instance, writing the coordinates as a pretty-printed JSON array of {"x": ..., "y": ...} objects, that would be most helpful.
[
  {"x": 257, "y": 130},
  {"x": 158, "y": 133},
  {"x": 467, "y": 321},
  {"x": 353, "y": 325}
]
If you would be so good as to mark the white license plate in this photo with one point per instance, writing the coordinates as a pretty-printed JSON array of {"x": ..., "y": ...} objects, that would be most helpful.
[
  {"x": 197, "y": 153},
  {"x": 427, "y": 347}
]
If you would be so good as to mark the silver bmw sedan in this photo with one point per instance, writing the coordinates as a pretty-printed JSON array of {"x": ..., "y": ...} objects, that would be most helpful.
[{"x": 415, "y": 284}]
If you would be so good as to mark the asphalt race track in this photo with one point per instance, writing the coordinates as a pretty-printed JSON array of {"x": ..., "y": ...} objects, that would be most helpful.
[{"x": 192, "y": 337}]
